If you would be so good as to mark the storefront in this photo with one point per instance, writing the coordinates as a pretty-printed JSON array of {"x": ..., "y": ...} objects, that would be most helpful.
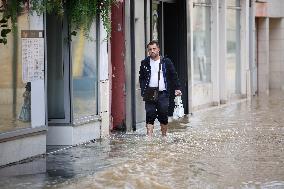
[
  {"x": 162, "y": 20},
  {"x": 54, "y": 90},
  {"x": 23, "y": 122},
  {"x": 202, "y": 41},
  {"x": 74, "y": 84},
  {"x": 201, "y": 34},
  {"x": 168, "y": 26},
  {"x": 207, "y": 41}
]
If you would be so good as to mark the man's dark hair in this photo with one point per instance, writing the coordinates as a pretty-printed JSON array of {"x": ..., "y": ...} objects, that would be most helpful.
[{"x": 153, "y": 43}]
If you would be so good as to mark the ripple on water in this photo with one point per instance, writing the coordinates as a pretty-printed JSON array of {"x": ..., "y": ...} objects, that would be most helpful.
[{"x": 239, "y": 146}]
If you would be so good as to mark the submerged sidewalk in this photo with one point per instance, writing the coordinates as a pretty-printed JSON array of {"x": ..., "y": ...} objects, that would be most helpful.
[
  {"x": 141, "y": 127},
  {"x": 236, "y": 146}
]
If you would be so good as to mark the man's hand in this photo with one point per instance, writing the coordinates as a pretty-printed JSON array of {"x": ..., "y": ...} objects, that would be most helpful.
[{"x": 178, "y": 93}]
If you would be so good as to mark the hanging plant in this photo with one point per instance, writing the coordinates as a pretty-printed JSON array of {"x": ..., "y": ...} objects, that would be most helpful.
[
  {"x": 80, "y": 13},
  {"x": 10, "y": 10}
]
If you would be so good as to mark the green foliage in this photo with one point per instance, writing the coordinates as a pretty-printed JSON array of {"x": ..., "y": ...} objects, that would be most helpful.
[
  {"x": 9, "y": 10},
  {"x": 80, "y": 13},
  {"x": 42, "y": 6},
  {"x": 104, "y": 10}
]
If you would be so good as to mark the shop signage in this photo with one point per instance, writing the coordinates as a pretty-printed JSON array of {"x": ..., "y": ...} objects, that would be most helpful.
[{"x": 32, "y": 55}]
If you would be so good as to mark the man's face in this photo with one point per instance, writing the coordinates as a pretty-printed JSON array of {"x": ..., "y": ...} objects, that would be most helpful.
[{"x": 153, "y": 51}]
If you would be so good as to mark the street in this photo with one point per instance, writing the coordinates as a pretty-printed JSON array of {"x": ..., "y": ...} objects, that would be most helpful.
[{"x": 236, "y": 146}]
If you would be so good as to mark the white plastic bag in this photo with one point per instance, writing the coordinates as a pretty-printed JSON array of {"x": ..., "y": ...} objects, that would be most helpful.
[{"x": 178, "y": 110}]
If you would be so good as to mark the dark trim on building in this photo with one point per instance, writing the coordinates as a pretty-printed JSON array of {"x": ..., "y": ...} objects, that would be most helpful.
[
  {"x": 133, "y": 71},
  {"x": 188, "y": 56},
  {"x": 145, "y": 25},
  {"x": 98, "y": 37},
  {"x": 22, "y": 133},
  {"x": 45, "y": 70},
  {"x": 151, "y": 22}
]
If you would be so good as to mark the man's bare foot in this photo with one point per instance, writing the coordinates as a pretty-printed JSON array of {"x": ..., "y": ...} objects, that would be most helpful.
[
  {"x": 150, "y": 129},
  {"x": 164, "y": 129}
]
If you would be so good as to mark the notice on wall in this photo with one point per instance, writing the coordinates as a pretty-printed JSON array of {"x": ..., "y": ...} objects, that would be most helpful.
[{"x": 32, "y": 55}]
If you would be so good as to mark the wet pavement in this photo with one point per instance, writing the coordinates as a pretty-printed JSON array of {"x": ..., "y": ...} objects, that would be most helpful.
[{"x": 236, "y": 146}]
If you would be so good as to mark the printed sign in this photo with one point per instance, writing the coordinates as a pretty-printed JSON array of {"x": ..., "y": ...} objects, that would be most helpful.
[{"x": 32, "y": 55}]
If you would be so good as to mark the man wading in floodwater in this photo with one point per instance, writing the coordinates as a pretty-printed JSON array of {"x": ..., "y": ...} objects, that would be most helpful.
[{"x": 157, "y": 77}]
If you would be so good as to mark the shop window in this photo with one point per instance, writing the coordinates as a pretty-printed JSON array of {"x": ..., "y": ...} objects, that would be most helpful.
[
  {"x": 233, "y": 3},
  {"x": 202, "y": 41},
  {"x": 15, "y": 94},
  {"x": 72, "y": 73},
  {"x": 58, "y": 76},
  {"x": 233, "y": 46},
  {"x": 85, "y": 74}
]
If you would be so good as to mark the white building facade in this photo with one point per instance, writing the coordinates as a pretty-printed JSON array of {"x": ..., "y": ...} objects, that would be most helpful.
[
  {"x": 223, "y": 50},
  {"x": 221, "y": 70},
  {"x": 268, "y": 44},
  {"x": 208, "y": 41}
]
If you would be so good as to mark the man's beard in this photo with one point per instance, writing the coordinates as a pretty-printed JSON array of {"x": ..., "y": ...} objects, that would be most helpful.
[{"x": 154, "y": 55}]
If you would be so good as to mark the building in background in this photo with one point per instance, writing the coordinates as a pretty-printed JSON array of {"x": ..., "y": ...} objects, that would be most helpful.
[
  {"x": 223, "y": 50},
  {"x": 23, "y": 124},
  {"x": 267, "y": 45},
  {"x": 207, "y": 41}
]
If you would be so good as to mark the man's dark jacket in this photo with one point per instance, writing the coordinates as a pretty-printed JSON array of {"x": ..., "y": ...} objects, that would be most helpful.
[{"x": 169, "y": 73}]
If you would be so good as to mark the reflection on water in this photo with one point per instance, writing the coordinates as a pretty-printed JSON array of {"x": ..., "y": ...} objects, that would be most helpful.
[{"x": 240, "y": 146}]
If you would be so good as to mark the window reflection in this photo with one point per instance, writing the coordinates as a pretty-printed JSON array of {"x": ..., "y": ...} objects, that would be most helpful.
[
  {"x": 56, "y": 93},
  {"x": 202, "y": 42},
  {"x": 84, "y": 62},
  {"x": 14, "y": 93},
  {"x": 233, "y": 47},
  {"x": 155, "y": 19}
]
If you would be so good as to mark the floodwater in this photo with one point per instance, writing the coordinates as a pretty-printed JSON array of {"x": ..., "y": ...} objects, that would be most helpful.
[{"x": 237, "y": 146}]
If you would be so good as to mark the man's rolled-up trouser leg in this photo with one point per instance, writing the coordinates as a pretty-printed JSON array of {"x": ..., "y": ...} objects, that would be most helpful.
[
  {"x": 151, "y": 112},
  {"x": 151, "y": 115},
  {"x": 162, "y": 108}
]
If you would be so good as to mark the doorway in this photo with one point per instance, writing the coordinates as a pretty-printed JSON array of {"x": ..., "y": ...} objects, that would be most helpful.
[
  {"x": 169, "y": 27},
  {"x": 58, "y": 72}
]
